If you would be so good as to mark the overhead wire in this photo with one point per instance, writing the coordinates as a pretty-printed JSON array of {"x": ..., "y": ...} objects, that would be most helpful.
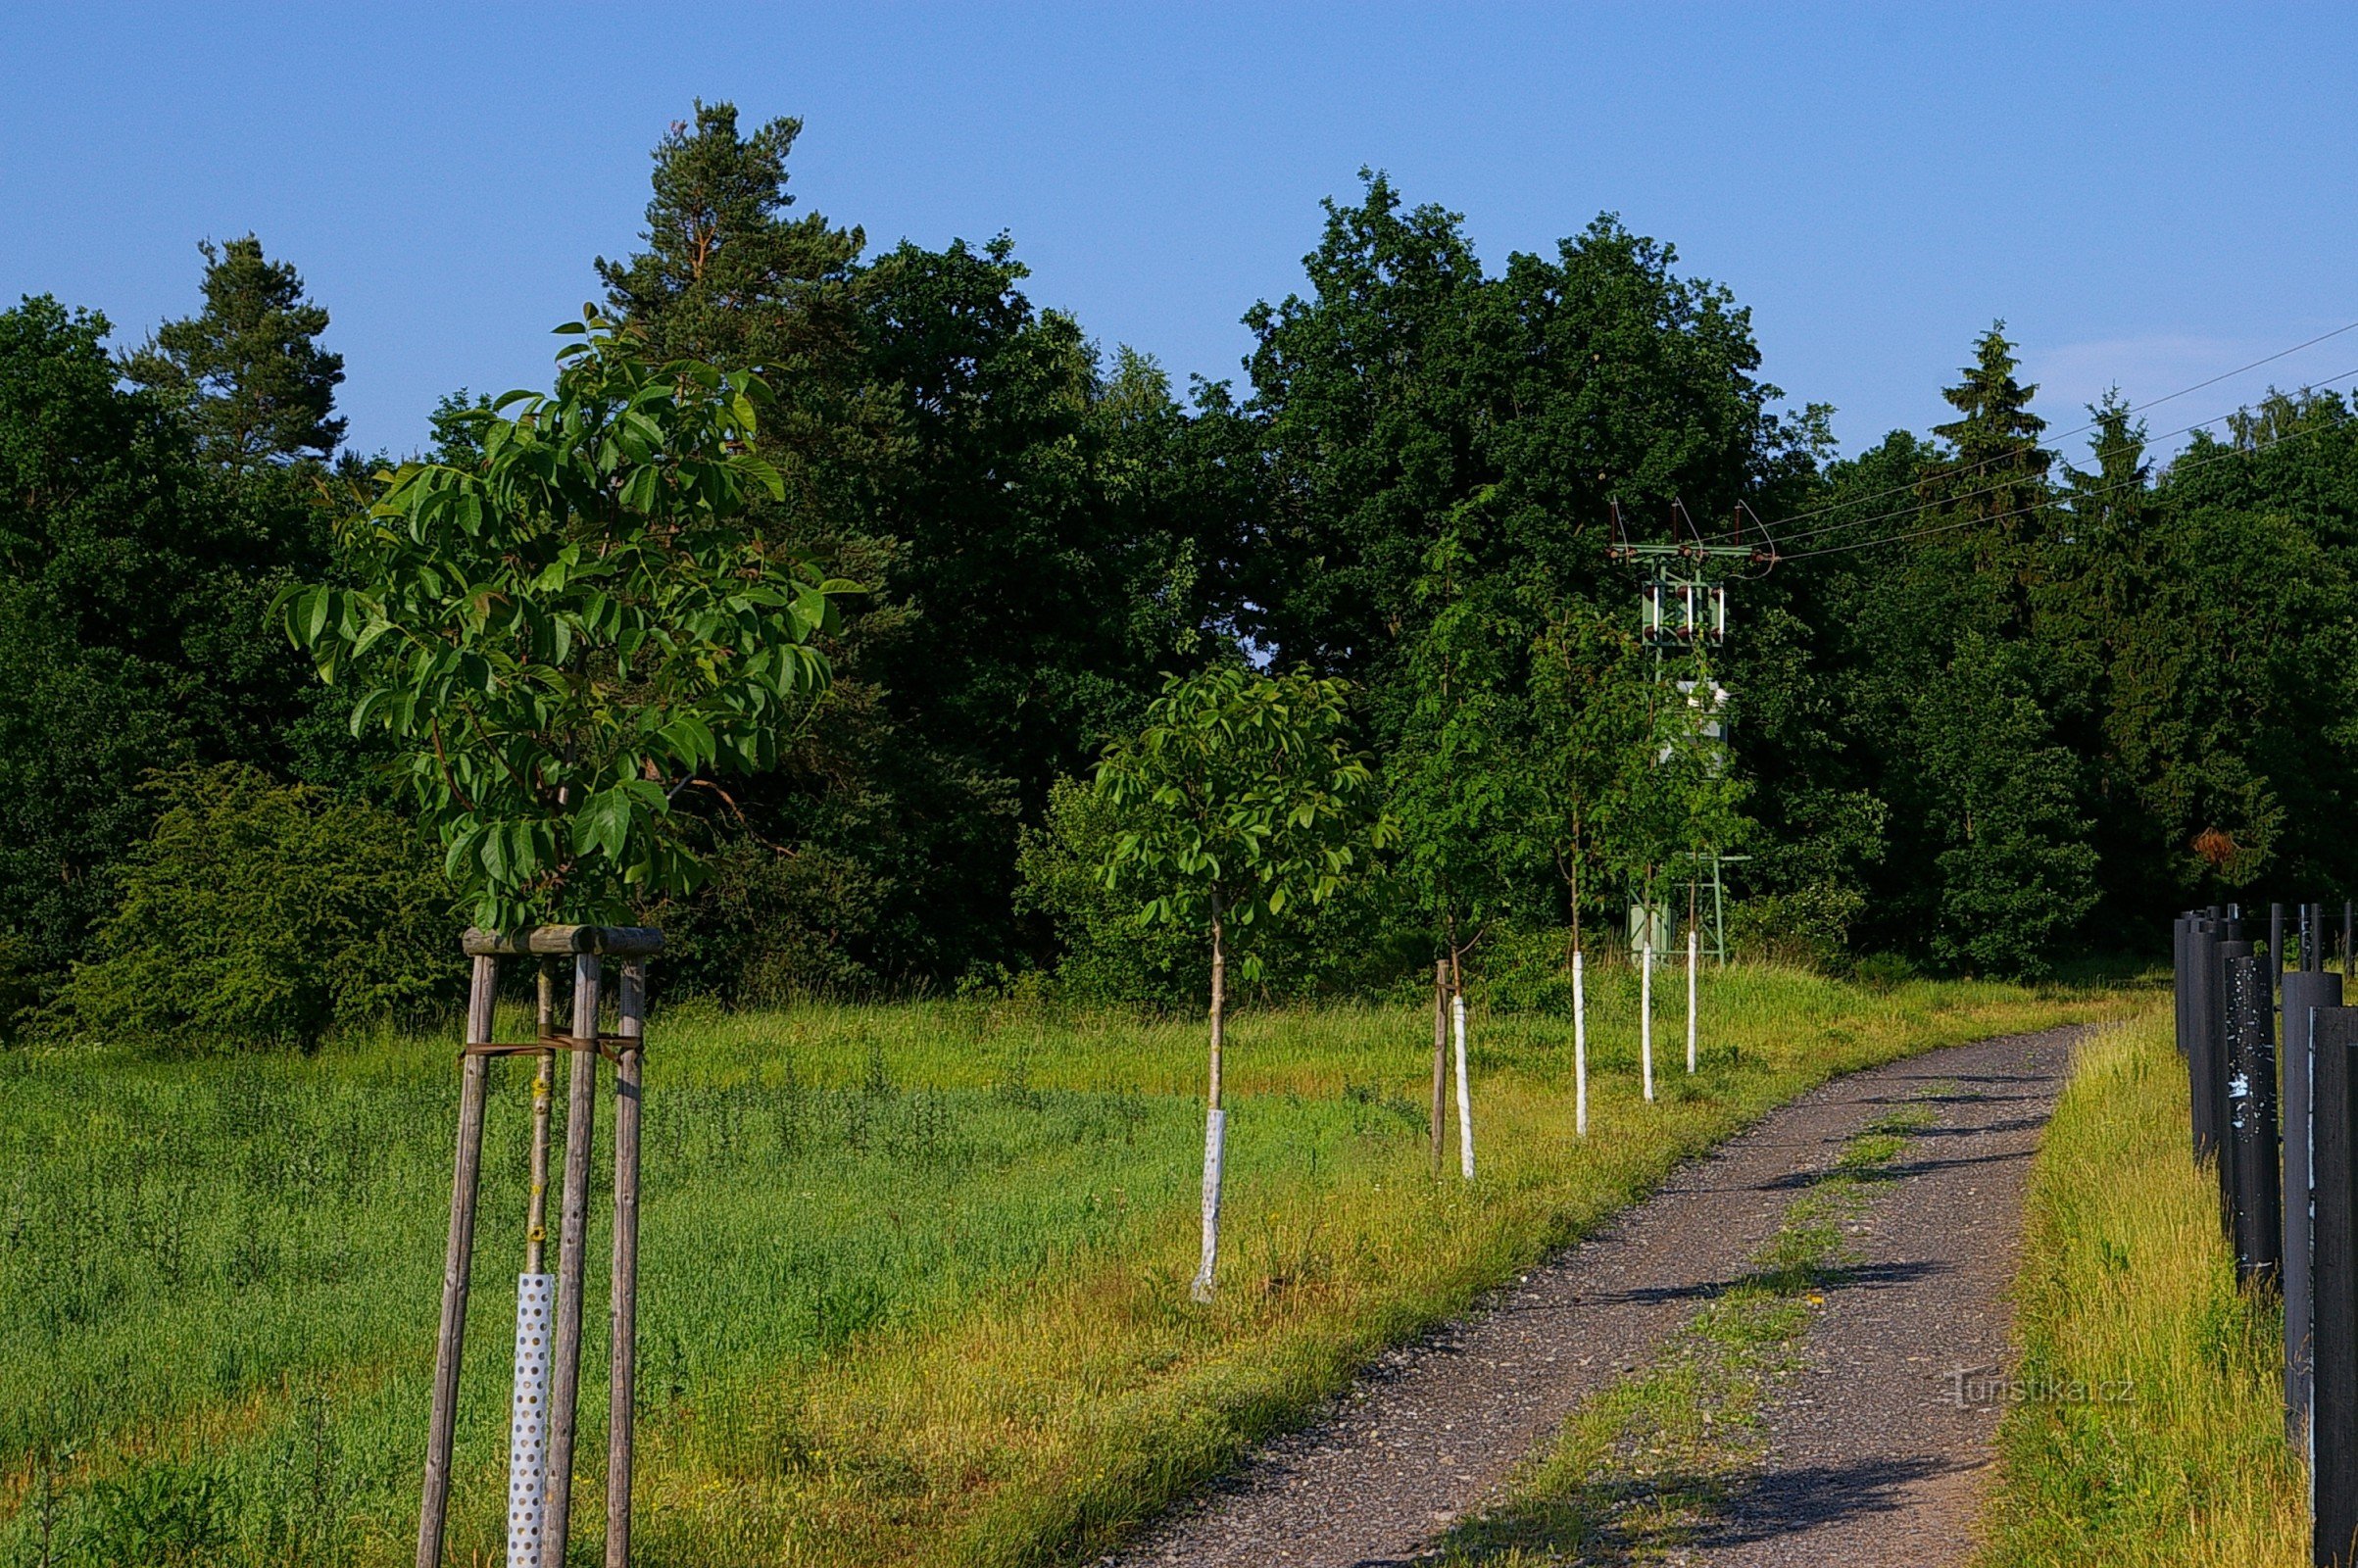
[
  {"x": 2118, "y": 485},
  {"x": 2154, "y": 403},
  {"x": 1943, "y": 501}
]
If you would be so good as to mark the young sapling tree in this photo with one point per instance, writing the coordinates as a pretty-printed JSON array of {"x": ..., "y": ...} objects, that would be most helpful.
[
  {"x": 568, "y": 631},
  {"x": 1241, "y": 798},
  {"x": 1460, "y": 781}
]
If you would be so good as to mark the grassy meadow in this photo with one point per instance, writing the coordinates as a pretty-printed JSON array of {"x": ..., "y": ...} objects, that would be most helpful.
[
  {"x": 2127, "y": 1277},
  {"x": 913, "y": 1277}
]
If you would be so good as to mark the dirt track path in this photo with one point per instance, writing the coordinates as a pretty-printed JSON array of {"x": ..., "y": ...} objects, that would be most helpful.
[{"x": 1871, "y": 1461}]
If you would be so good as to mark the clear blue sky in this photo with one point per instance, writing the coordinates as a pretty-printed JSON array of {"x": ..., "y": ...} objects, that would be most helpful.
[{"x": 2147, "y": 195}]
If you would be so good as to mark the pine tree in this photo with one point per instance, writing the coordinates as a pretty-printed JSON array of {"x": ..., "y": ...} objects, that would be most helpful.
[
  {"x": 726, "y": 273},
  {"x": 248, "y": 368}
]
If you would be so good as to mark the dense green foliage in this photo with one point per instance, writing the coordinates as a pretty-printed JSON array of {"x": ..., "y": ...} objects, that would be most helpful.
[
  {"x": 265, "y": 913},
  {"x": 565, "y": 632},
  {"x": 1989, "y": 707}
]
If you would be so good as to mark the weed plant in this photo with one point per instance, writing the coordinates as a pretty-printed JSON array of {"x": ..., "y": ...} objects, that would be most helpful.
[{"x": 912, "y": 1278}]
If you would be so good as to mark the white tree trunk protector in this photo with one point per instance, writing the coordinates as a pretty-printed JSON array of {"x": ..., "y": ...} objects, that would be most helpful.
[
  {"x": 1692, "y": 952},
  {"x": 1645, "y": 1017},
  {"x": 1465, "y": 1100},
  {"x": 1215, "y": 1131},
  {"x": 1580, "y": 1050},
  {"x": 528, "y": 1419}
]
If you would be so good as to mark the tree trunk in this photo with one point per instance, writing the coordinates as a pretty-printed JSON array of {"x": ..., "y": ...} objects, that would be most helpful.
[
  {"x": 1215, "y": 1120},
  {"x": 1440, "y": 1053}
]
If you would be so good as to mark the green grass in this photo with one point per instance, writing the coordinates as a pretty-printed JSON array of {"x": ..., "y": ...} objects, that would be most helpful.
[
  {"x": 1647, "y": 1467},
  {"x": 2126, "y": 1278},
  {"x": 914, "y": 1278}
]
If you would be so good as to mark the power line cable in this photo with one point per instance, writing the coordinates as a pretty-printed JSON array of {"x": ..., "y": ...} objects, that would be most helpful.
[
  {"x": 2270, "y": 358},
  {"x": 1923, "y": 506},
  {"x": 2114, "y": 487}
]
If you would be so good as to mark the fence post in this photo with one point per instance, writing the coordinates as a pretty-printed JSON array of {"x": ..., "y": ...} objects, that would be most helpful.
[
  {"x": 2225, "y": 1025},
  {"x": 2304, "y": 992},
  {"x": 2178, "y": 965},
  {"x": 2334, "y": 1296},
  {"x": 2276, "y": 952},
  {"x": 2251, "y": 1102},
  {"x": 2201, "y": 937}
]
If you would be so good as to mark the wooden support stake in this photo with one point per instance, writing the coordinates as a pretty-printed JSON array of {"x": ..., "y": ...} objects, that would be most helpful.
[
  {"x": 623, "y": 1383},
  {"x": 458, "y": 1264},
  {"x": 565, "y": 1377}
]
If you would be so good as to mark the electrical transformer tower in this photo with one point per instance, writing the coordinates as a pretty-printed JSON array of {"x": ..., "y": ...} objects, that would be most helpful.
[{"x": 1683, "y": 605}]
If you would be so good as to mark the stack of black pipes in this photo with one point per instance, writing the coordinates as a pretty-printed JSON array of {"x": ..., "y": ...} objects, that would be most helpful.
[{"x": 2286, "y": 1200}]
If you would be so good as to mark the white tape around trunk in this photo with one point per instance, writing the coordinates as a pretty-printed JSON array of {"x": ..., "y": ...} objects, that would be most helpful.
[
  {"x": 1646, "y": 1019},
  {"x": 1693, "y": 952},
  {"x": 1215, "y": 1137},
  {"x": 528, "y": 1419},
  {"x": 1580, "y": 1050},
  {"x": 1465, "y": 1100}
]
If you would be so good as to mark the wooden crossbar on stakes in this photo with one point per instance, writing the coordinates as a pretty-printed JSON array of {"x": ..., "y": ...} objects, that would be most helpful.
[{"x": 548, "y": 1356}]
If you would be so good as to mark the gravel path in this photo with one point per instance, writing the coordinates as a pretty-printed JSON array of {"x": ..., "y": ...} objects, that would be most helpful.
[
  {"x": 1879, "y": 1449},
  {"x": 1870, "y": 1462}
]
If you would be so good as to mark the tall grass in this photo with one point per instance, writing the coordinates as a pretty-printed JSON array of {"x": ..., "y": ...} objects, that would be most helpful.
[
  {"x": 913, "y": 1277},
  {"x": 2126, "y": 1279}
]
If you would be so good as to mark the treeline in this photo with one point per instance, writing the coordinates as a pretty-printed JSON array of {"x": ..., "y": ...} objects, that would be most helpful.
[{"x": 1990, "y": 710}]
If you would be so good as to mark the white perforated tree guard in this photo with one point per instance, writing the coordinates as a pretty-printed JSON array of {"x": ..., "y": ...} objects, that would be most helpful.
[
  {"x": 1465, "y": 1098},
  {"x": 528, "y": 1420},
  {"x": 1215, "y": 1138}
]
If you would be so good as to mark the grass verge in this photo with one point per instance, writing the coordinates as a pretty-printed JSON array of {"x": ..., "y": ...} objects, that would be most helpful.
[
  {"x": 2126, "y": 1279},
  {"x": 912, "y": 1278}
]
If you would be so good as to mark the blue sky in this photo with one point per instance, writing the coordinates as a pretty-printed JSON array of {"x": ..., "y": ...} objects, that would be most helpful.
[{"x": 2148, "y": 195}]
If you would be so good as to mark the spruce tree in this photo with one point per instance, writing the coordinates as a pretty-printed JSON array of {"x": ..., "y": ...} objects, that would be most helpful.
[
  {"x": 248, "y": 368},
  {"x": 1996, "y": 482}
]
